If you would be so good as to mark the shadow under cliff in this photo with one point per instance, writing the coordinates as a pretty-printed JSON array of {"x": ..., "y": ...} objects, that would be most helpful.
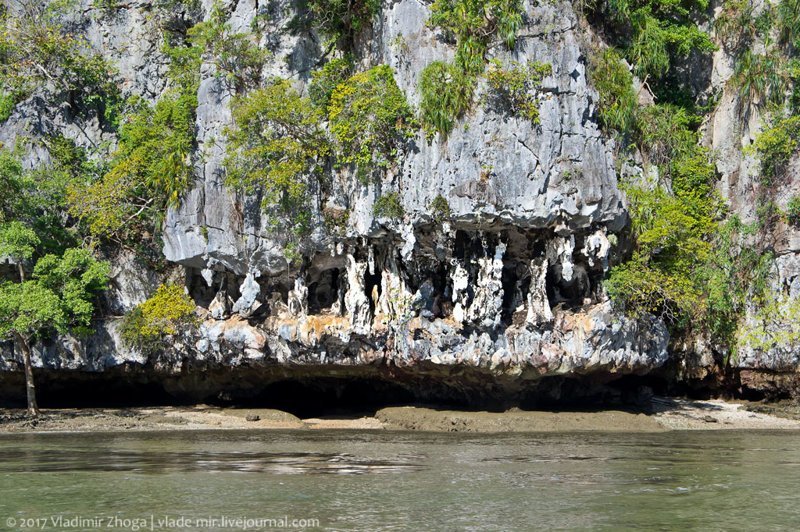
[{"x": 311, "y": 392}]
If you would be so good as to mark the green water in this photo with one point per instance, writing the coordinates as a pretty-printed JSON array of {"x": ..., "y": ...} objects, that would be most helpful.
[{"x": 403, "y": 481}]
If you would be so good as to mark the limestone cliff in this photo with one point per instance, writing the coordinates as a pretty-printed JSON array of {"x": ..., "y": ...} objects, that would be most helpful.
[{"x": 504, "y": 292}]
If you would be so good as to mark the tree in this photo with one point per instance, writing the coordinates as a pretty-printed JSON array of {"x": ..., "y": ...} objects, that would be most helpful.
[
  {"x": 18, "y": 242},
  {"x": 58, "y": 299},
  {"x": 39, "y": 51}
]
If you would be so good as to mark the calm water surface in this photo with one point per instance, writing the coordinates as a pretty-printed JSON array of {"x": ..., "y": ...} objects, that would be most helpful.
[{"x": 410, "y": 481}]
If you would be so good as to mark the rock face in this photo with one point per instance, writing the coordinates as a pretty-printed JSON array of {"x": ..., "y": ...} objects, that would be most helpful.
[{"x": 507, "y": 289}]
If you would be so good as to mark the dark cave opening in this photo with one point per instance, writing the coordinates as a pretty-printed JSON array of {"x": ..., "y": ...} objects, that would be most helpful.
[
  {"x": 324, "y": 291},
  {"x": 322, "y": 394},
  {"x": 372, "y": 288},
  {"x": 328, "y": 396}
]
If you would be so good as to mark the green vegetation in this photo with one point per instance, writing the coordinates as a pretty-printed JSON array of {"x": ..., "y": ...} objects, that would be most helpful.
[
  {"x": 473, "y": 23},
  {"x": 342, "y": 20},
  {"x": 734, "y": 273},
  {"x": 164, "y": 314},
  {"x": 58, "y": 299},
  {"x": 775, "y": 145},
  {"x": 440, "y": 208},
  {"x": 38, "y": 52},
  {"x": 776, "y": 325},
  {"x": 517, "y": 86},
  {"x": 655, "y": 33},
  {"x": 760, "y": 77},
  {"x": 153, "y": 165},
  {"x": 788, "y": 19},
  {"x": 277, "y": 145},
  {"x": 150, "y": 171},
  {"x": 369, "y": 119},
  {"x": 446, "y": 94},
  {"x": 389, "y": 206},
  {"x": 614, "y": 83},
  {"x": 793, "y": 210},
  {"x": 326, "y": 79},
  {"x": 672, "y": 245},
  {"x": 236, "y": 56}
]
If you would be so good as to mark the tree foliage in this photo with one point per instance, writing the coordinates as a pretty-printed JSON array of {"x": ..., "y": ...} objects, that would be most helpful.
[
  {"x": 370, "y": 119},
  {"x": 38, "y": 51},
  {"x": 342, "y": 20},
  {"x": 150, "y": 170},
  {"x": 59, "y": 297},
  {"x": 277, "y": 145},
  {"x": 614, "y": 83},
  {"x": 327, "y": 78},
  {"x": 237, "y": 57},
  {"x": 655, "y": 33},
  {"x": 161, "y": 315}
]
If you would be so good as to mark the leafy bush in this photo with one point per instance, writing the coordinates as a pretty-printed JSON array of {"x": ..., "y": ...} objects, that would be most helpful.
[
  {"x": 76, "y": 277},
  {"x": 150, "y": 170},
  {"x": 654, "y": 33},
  {"x": 472, "y": 23},
  {"x": 671, "y": 245},
  {"x": 342, "y": 20},
  {"x": 517, "y": 86},
  {"x": 38, "y": 51},
  {"x": 440, "y": 208},
  {"x": 614, "y": 83},
  {"x": 370, "y": 119},
  {"x": 146, "y": 326},
  {"x": 663, "y": 132},
  {"x": 389, "y": 206},
  {"x": 446, "y": 94},
  {"x": 7, "y": 104},
  {"x": 775, "y": 145},
  {"x": 277, "y": 145},
  {"x": 326, "y": 79},
  {"x": 237, "y": 56},
  {"x": 793, "y": 210}
]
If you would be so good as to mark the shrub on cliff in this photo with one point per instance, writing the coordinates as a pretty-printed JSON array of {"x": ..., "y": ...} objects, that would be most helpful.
[
  {"x": 655, "y": 33},
  {"x": 614, "y": 83},
  {"x": 151, "y": 170},
  {"x": 277, "y": 144},
  {"x": 517, "y": 86},
  {"x": 473, "y": 23},
  {"x": 342, "y": 20},
  {"x": 327, "y": 78},
  {"x": 446, "y": 94},
  {"x": 37, "y": 51},
  {"x": 793, "y": 211},
  {"x": 237, "y": 56},
  {"x": 671, "y": 245},
  {"x": 163, "y": 314},
  {"x": 370, "y": 119},
  {"x": 389, "y": 206}
]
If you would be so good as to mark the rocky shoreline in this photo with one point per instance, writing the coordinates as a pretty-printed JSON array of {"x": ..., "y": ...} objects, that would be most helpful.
[{"x": 663, "y": 414}]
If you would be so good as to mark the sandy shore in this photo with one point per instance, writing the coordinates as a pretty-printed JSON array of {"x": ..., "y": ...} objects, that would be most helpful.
[{"x": 666, "y": 414}]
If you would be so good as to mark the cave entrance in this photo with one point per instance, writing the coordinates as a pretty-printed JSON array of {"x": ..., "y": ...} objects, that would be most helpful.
[
  {"x": 329, "y": 396},
  {"x": 323, "y": 293},
  {"x": 372, "y": 288}
]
